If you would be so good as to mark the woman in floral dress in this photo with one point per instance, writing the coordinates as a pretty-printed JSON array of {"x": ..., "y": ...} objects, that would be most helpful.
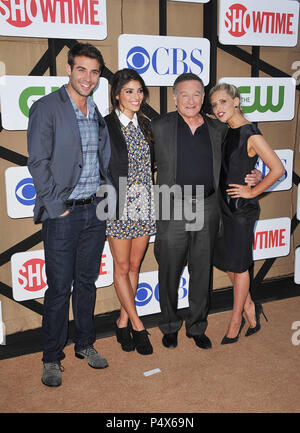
[{"x": 131, "y": 172}]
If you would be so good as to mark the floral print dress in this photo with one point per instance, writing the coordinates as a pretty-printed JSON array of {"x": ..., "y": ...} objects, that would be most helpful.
[{"x": 138, "y": 217}]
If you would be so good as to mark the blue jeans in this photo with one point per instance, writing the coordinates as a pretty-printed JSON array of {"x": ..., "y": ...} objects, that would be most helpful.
[{"x": 73, "y": 247}]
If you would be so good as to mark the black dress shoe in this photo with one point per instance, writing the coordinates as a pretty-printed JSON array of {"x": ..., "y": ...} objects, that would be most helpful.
[
  {"x": 201, "y": 341},
  {"x": 170, "y": 340}
]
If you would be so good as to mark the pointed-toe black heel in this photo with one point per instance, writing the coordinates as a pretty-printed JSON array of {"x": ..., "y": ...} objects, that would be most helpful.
[
  {"x": 124, "y": 338},
  {"x": 228, "y": 340},
  {"x": 142, "y": 342},
  {"x": 258, "y": 311}
]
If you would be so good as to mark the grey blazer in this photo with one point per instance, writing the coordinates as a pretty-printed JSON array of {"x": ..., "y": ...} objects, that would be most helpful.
[
  {"x": 164, "y": 129},
  {"x": 55, "y": 152}
]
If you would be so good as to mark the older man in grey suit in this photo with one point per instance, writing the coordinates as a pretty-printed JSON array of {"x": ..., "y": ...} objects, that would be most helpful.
[
  {"x": 69, "y": 152},
  {"x": 187, "y": 147}
]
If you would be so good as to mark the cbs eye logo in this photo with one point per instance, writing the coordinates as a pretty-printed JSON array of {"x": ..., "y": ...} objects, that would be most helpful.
[
  {"x": 25, "y": 192},
  {"x": 145, "y": 293},
  {"x": 138, "y": 59}
]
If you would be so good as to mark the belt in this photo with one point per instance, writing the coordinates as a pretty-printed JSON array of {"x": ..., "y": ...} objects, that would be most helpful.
[{"x": 80, "y": 201}]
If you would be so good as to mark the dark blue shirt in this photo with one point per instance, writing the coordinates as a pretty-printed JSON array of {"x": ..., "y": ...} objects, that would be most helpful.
[{"x": 194, "y": 157}]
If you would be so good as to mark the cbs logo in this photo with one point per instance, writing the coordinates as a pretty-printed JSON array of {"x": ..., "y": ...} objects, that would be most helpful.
[
  {"x": 165, "y": 61},
  {"x": 25, "y": 192},
  {"x": 145, "y": 293}
]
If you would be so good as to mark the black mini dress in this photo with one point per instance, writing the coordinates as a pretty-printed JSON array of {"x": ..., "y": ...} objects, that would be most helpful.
[{"x": 233, "y": 250}]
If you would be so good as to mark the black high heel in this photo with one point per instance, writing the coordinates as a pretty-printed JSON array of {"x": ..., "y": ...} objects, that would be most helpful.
[
  {"x": 227, "y": 340},
  {"x": 258, "y": 311},
  {"x": 142, "y": 342},
  {"x": 124, "y": 338}
]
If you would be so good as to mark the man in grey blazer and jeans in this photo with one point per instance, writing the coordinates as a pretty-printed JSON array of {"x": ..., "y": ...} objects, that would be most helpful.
[{"x": 69, "y": 152}]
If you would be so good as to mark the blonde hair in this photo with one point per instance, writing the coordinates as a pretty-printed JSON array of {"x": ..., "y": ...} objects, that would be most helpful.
[{"x": 230, "y": 89}]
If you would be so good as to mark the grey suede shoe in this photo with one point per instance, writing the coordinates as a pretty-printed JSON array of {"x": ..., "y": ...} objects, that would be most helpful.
[
  {"x": 93, "y": 358},
  {"x": 52, "y": 374}
]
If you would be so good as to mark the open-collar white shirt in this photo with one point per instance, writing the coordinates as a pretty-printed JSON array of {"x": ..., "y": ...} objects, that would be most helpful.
[{"x": 125, "y": 120}]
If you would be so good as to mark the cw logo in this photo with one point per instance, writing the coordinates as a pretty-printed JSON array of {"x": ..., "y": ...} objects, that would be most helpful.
[
  {"x": 257, "y": 105},
  {"x": 32, "y": 94}
]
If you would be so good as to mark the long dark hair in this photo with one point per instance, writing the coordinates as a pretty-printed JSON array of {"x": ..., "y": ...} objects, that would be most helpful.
[{"x": 120, "y": 79}]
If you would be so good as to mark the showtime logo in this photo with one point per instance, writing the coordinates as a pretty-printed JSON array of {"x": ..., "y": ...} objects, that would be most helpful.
[
  {"x": 259, "y": 22},
  {"x": 28, "y": 275},
  {"x": 17, "y": 13},
  {"x": 239, "y": 20},
  {"x": 21, "y": 13},
  {"x": 51, "y": 18},
  {"x": 271, "y": 238},
  {"x": 32, "y": 276},
  {"x": 106, "y": 269},
  {"x": 29, "y": 280}
]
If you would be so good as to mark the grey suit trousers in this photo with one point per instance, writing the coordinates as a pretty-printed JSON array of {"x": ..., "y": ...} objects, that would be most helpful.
[{"x": 174, "y": 247}]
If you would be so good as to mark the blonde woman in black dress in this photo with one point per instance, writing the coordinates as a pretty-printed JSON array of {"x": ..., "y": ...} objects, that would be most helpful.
[
  {"x": 243, "y": 145},
  {"x": 128, "y": 234}
]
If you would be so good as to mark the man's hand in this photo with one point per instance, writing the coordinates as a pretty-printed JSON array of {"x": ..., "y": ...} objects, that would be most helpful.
[
  {"x": 212, "y": 116},
  {"x": 253, "y": 178},
  {"x": 65, "y": 213}
]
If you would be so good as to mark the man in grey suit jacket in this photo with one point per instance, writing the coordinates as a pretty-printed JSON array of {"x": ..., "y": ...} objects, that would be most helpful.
[
  {"x": 187, "y": 148},
  {"x": 69, "y": 152}
]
